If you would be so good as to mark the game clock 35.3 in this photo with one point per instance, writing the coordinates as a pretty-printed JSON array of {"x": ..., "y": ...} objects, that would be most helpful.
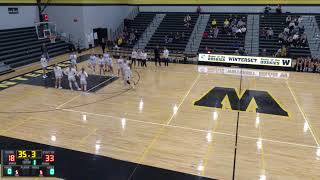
[{"x": 32, "y": 154}]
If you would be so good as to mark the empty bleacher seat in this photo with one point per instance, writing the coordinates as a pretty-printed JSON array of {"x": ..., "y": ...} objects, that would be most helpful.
[
  {"x": 173, "y": 23},
  {"x": 21, "y": 46}
]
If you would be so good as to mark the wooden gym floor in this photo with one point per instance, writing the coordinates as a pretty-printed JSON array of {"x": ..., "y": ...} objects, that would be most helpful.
[{"x": 157, "y": 123}]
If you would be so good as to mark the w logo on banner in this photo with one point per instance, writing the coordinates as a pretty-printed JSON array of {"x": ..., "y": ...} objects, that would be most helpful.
[{"x": 286, "y": 62}]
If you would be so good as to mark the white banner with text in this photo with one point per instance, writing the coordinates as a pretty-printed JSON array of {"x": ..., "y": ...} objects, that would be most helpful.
[{"x": 251, "y": 60}]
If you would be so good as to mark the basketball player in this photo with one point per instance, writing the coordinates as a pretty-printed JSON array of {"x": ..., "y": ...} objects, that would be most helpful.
[
  {"x": 58, "y": 75},
  {"x": 127, "y": 73},
  {"x": 44, "y": 64},
  {"x": 92, "y": 62},
  {"x": 83, "y": 79},
  {"x": 134, "y": 55},
  {"x": 144, "y": 59},
  {"x": 139, "y": 56},
  {"x": 101, "y": 63},
  {"x": 73, "y": 59},
  {"x": 120, "y": 66},
  {"x": 108, "y": 64},
  {"x": 71, "y": 73},
  {"x": 166, "y": 56}
]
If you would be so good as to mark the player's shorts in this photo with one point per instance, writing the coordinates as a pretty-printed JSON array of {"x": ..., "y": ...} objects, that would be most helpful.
[
  {"x": 109, "y": 63},
  {"x": 127, "y": 76},
  {"x": 83, "y": 82},
  {"x": 44, "y": 67},
  {"x": 73, "y": 61},
  {"x": 92, "y": 63},
  {"x": 58, "y": 76},
  {"x": 101, "y": 65},
  {"x": 72, "y": 79}
]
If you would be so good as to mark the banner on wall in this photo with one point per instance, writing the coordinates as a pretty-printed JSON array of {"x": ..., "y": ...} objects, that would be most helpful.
[{"x": 250, "y": 60}]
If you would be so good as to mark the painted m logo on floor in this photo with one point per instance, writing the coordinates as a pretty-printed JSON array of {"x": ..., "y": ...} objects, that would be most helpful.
[{"x": 227, "y": 98}]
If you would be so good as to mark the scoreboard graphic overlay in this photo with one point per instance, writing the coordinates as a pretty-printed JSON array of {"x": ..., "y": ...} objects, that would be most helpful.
[{"x": 27, "y": 163}]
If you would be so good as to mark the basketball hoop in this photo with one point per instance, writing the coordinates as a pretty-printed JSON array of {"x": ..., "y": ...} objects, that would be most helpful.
[{"x": 52, "y": 38}]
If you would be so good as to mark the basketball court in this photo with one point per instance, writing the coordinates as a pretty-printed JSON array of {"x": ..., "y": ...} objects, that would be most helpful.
[{"x": 160, "y": 124}]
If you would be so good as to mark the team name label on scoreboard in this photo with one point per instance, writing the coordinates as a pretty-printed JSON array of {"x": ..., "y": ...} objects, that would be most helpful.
[{"x": 28, "y": 163}]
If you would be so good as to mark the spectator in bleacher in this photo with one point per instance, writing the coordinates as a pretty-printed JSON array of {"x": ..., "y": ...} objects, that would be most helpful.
[
  {"x": 171, "y": 36},
  {"x": 300, "y": 19},
  {"x": 166, "y": 39},
  {"x": 199, "y": 10},
  {"x": 242, "y": 51},
  {"x": 226, "y": 23},
  {"x": 213, "y": 23},
  {"x": 264, "y": 52},
  {"x": 243, "y": 29},
  {"x": 263, "y": 32},
  {"x": 267, "y": 9},
  {"x": 288, "y": 19},
  {"x": 187, "y": 21},
  {"x": 241, "y": 23},
  {"x": 205, "y": 34},
  {"x": 132, "y": 38},
  {"x": 236, "y": 44},
  {"x": 236, "y": 52},
  {"x": 177, "y": 37},
  {"x": 236, "y": 31},
  {"x": 279, "y": 9},
  {"x": 157, "y": 56},
  {"x": 303, "y": 40},
  {"x": 296, "y": 39},
  {"x": 120, "y": 41},
  {"x": 207, "y": 50},
  {"x": 282, "y": 52},
  {"x": 183, "y": 36},
  {"x": 211, "y": 33},
  {"x": 269, "y": 33},
  {"x": 286, "y": 30},
  {"x": 215, "y": 32}
]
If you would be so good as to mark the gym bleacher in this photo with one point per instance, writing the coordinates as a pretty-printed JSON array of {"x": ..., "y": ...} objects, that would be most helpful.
[
  {"x": 173, "y": 22},
  {"x": 278, "y": 22},
  {"x": 140, "y": 23},
  {"x": 223, "y": 43},
  {"x": 21, "y": 46}
]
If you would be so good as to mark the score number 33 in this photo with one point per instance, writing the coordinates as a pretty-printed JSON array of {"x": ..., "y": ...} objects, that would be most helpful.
[{"x": 49, "y": 158}]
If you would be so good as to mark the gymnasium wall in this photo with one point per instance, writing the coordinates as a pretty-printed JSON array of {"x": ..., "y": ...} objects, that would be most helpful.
[
  {"x": 87, "y": 18},
  {"x": 242, "y": 9},
  {"x": 171, "y": 2},
  {"x": 27, "y": 17}
]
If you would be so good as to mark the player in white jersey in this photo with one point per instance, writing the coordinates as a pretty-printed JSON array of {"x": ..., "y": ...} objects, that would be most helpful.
[
  {"x": 134, "y": 56},
  {"x": 166, "y": 56},
  {"x": 126, "y": 73},
  {"x": 58, "y": 74},
  {"x": 44, "y": 64},
  {"x": 139, "y": 56},
  {"x": 83, "y": 79},
  {"x": 120, "y": 64},
  {"x": 92, "y": 62},
  {"x": 73, "y": 60},
  {"x": 71, "y": 73},
  {"x": 108, "y": 64},
  {"x": 101, "y": 63}
]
